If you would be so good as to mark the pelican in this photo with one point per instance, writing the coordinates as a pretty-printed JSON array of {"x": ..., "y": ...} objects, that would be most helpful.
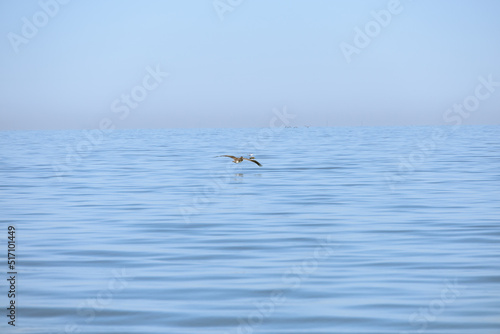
[{"x": 240, "y": 159}]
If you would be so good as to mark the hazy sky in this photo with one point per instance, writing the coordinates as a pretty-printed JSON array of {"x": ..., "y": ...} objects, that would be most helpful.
[{"x": 71, "y": 64}]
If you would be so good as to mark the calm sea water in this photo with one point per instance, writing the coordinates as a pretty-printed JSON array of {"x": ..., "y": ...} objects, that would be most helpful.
[{"x": 342, "y": 230}]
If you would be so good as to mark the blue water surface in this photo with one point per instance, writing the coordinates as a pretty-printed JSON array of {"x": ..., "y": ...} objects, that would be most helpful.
[{"x": 342, "y": 230}]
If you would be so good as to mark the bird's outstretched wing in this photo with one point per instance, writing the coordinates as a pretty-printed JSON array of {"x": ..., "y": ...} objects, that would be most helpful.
[
  {"x": 253, "y": 160},
  {"x": 229, "y": 156}
]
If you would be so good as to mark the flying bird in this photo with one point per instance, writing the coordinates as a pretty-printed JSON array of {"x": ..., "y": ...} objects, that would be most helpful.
[{"x": 240, "y": 159}]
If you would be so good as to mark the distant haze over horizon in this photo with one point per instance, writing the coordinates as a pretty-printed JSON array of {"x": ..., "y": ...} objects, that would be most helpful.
[{"x": 235, "y": 63}]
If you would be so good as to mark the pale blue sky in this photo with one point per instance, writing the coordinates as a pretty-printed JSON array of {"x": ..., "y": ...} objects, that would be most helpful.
[{"x": 233, "y": 72}]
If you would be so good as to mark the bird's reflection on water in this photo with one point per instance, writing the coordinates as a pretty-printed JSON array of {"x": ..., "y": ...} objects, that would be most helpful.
[{"x": 237, "y": 176}]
